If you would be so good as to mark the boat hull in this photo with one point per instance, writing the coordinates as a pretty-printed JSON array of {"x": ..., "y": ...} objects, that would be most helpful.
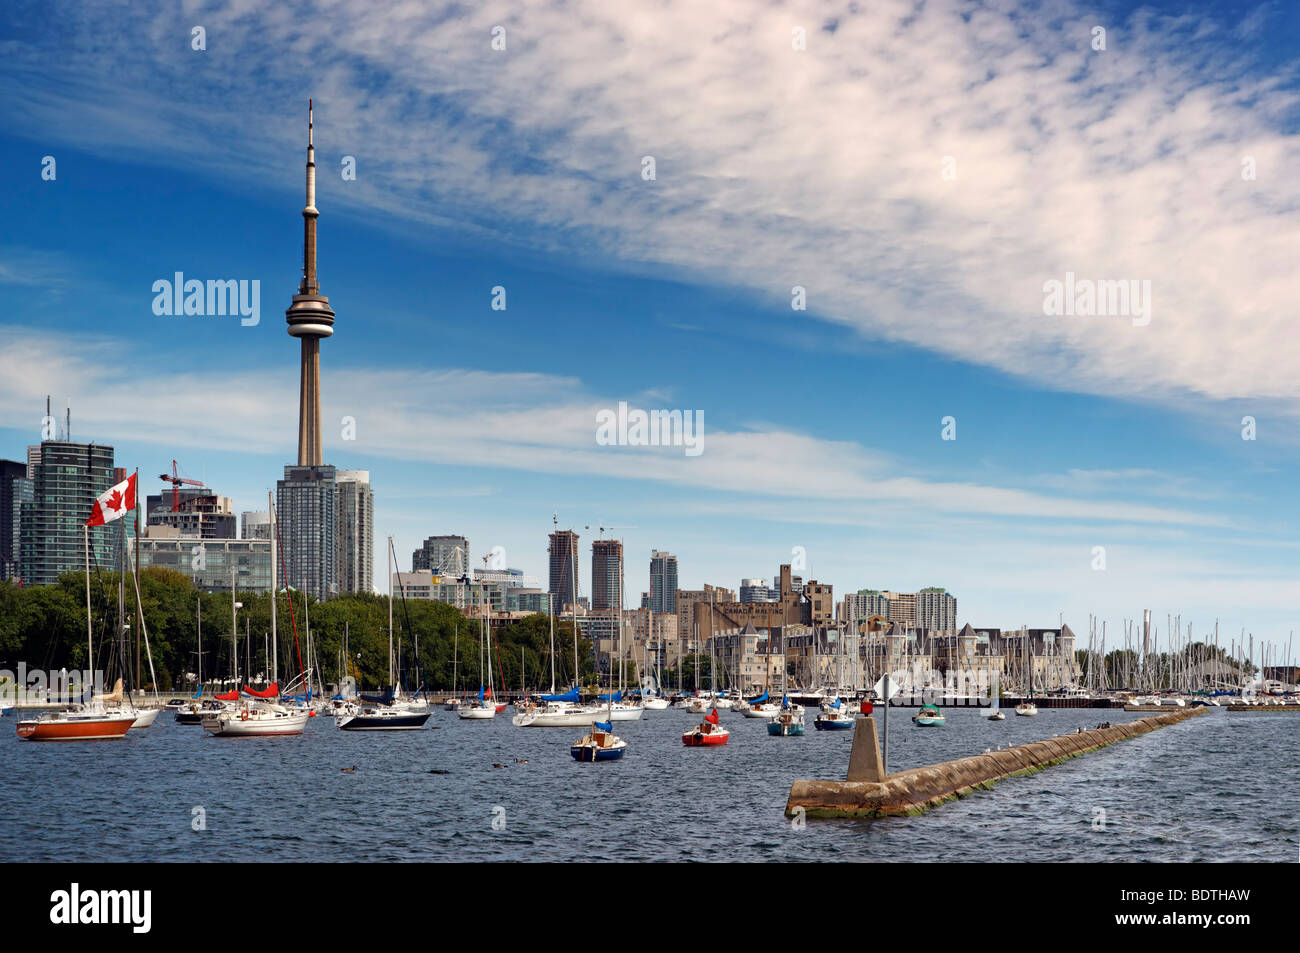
[
  {"x": 784, "y": 731},
  {"x": 145, "y": 718},
  {"x": 556, "y": 719},
  {"x": 698, "y": 739},
  {"x": 407, "y": 721},
  {"x": 929, "y": 722},
  {"x": 592, "y": 753},
  {"x": 477, "y": 713},
  {"x": 230, "y": 725},
  {"x": 101, "y": 728},
  {"x": 838, "y": 724}
]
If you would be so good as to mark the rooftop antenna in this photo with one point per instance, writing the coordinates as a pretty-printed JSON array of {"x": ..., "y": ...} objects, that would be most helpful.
[{"x": 67, "y": 427}]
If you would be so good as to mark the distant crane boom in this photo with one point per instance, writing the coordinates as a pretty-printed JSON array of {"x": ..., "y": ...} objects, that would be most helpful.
[{"x": 175, "y": 480}]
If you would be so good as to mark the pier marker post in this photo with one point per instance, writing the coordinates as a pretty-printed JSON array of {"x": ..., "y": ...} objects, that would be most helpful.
[
  {"x": 884, "y": 748},
  {"x": 865, "y": 762}
]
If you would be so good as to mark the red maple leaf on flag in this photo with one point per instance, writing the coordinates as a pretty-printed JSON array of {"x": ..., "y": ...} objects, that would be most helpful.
[{"x": 115, "y": 500}]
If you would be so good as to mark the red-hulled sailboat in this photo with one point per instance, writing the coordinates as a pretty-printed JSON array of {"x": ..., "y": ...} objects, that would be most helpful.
[
  {"x": 707, "y": 732},
  {"x": 92, "y": 722}
]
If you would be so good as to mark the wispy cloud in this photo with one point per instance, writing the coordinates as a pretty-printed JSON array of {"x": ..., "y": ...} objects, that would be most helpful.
[
  {"x": 819, "y": 167},
  {"x": 526, "y": 422}
]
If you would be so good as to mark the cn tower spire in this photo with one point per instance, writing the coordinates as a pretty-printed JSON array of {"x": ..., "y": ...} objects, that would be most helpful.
[
  {"x": 310, "y": 318},
  {"x": 309, "y": 214}
]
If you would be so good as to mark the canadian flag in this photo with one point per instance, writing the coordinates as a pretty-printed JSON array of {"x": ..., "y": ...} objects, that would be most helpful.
[{"x": 114, "y": 503}]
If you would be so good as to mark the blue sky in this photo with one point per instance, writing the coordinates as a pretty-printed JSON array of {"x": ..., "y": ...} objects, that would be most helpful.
[{"x": 775, "y": 167}]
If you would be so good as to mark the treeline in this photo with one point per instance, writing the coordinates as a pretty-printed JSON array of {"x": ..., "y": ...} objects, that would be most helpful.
[{"x": 45, "y": 627}]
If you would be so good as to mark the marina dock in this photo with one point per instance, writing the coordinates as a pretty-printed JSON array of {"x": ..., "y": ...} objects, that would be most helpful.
[{"x": 868, "y": 792}]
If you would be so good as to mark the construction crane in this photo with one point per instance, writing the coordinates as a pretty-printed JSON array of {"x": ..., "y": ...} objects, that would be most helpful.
[
  {"x": 176, "y": 482},
  {"x": 602, "y": 529}
]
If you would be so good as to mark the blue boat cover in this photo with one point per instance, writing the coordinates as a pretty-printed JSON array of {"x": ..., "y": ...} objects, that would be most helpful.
[
  {"x": 569, "y": 696},
  {"x": 759, "y": 700},
  {"x": 480, "y": 693},
  {"x": 604, "y": 726},
  {"x": 837, "y": 703},
  {"x": 618, "y": 697}
]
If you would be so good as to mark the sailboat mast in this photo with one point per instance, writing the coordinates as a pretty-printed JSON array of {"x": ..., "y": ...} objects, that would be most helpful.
[
  {"x": 573, "y": 578},
  {"x": 234, "y": 630},
  {"x": 389, "y": 557},
  {"x": 275, "y": 587}
]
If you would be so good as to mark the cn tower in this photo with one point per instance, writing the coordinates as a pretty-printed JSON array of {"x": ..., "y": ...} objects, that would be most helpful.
[{"x": 310, "y": 318}]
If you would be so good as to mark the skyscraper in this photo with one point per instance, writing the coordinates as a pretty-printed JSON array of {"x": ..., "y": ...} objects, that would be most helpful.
[
  {"x": 356, "y": 539},
  {"x": 68, "y": 478},
  {"x": 306, "y": 514},
  {"x": 307, "y": 497},
  {"x": 606, "y": 570},
  {"x": 15, "y": 489},
  {"x": 663, "y": 582},
  {"x": 564, "y": 568}
]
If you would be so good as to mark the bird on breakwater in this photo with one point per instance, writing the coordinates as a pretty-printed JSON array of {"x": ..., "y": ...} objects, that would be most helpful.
[{"x": 349, "y": 770}]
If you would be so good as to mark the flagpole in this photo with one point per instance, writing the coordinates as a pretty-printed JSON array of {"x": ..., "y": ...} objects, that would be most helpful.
[
  {"x": 90, "y": 639},
  {"x": 136, "y": 571}
]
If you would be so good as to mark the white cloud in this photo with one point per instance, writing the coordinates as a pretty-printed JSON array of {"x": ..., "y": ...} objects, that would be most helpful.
[
  {"x": 775, "y": 167},
  {"x": 525, "y": 422}
]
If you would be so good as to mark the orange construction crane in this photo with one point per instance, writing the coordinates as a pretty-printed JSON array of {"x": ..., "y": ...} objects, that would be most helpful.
[{"x": 176, "y": 482}]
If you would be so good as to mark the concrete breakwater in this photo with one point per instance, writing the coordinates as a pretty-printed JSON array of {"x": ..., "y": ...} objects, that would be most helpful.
[{"x": 870, "y": 793}]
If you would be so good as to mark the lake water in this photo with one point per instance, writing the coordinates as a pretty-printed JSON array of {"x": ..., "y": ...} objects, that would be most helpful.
[{"x": 1218, "y": 787}]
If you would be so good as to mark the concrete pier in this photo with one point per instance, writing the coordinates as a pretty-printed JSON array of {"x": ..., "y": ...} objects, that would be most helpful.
[{"x": 869, "y": 793}]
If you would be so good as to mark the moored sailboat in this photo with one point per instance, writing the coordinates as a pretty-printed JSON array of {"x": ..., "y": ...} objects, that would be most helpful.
[
  {"x": 707, "y": 733},
  {"x": 833, "y": 717},
  {"x": 90, "y": 722}
]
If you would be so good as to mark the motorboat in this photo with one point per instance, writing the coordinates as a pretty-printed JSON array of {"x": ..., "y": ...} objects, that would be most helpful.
[
  {"x": 928, "y": 717},
  {"x": 192, "y": 713},
  {"x": 599, "y": 744},
  {"x": 655, "y": 703},
  {"x": 707, "y": 733}
]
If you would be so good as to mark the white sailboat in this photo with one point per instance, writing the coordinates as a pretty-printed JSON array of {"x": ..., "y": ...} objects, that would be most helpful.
[
  {"x": 261, "y": 716},
  {"x": 566, "y": 710},
  {"x": 481, "y": 708}
]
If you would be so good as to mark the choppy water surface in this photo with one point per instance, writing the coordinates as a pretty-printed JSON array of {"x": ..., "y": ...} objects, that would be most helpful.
[{"x": 1219, "y": 787}]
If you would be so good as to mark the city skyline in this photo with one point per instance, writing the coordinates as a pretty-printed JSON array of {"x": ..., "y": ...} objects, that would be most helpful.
[{"x": 1070, "y": 437}]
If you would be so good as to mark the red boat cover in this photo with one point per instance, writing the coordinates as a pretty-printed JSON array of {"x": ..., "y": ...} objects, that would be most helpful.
[
  {"x": 712, "y": 717},
  {"x": 227, "y": 697},
  {"x": 272, "y": 691}
]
